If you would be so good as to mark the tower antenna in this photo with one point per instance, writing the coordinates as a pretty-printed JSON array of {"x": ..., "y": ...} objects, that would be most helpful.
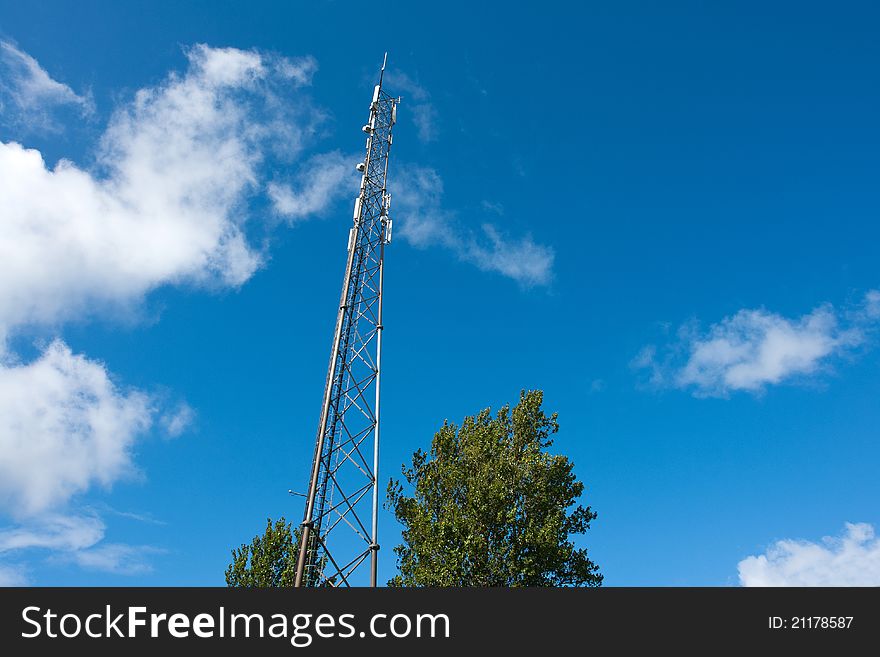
[{"x": 340, "y": 523}]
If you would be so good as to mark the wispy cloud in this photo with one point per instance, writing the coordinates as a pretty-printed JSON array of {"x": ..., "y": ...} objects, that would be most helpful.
[
  {"x": 754, "y": 349},
  {"x": 418, "y": 202},
  {"x": 54, "y": 532},
  {"x": 492, "y": 206},
  {"x": 178, "y": 420},
  {"x": 12, "y": 575},
  {"x": 28, "y": 94},
  {"x": 417, "y": 103},
  {"x": 521, "y": 259},
  {"x": 77, "y": 539},
  {"x": 322, "y": 180},
  {"x": 106, "y": 509},
  {"x": 116, "y": 558},
  {"x": 300, "y": 71},
  {"x": 852, "y": 559},
  {"x": 425, "y": 118}
]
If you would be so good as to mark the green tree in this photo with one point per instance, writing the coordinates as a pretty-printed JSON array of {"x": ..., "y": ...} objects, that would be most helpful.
[
  {"x": 270, "y": 559},
  {"x": 491, "y": 507}
]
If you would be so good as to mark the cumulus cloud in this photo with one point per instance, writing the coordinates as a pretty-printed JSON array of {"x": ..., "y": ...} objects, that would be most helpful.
[
  {"x": 28, "y": 94},
  {"x": 165, "y": 205},
  {"x": 756, "y": 348},
  {"x": 418, "y": 202},
  {"x": 419, "y": 105},
  {"x": 322, "y": 180},
  {"x": 64, "y": 426},
  {"x": 852, "y": 559}
]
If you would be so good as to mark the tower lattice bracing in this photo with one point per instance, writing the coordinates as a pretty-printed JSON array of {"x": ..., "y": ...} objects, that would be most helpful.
[{"x": 339, "y": 529}]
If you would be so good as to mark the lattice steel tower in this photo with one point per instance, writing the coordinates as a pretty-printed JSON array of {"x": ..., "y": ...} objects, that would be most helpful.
[{"x": 339, "y": 528}]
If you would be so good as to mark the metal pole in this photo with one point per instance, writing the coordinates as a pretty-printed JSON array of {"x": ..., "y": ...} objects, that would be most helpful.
[{"x": 374, "y": 557}]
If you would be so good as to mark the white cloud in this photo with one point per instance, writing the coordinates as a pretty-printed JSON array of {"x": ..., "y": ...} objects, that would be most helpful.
[
  {"x": 300, "y": 71},
  {"x": 424, "y": 222},
  {"x": 54, "y": 532},
  {"x": 32, "y": 92},
  {"x": 425, "y": 119},
  {"x": 177, "y": 421},
  {"x": 77, "y": 539},
  {"x": 399, "y": 82},
  {"x": 129, "y": 515},
  {"x": 520, "y": 259},
  {"x": 64, "y": 426},
  {"x": 417, "y": 103},
  {"x": 418, "y": 197},
  {"x": 116, "y": 558},
  {"x": 166, "y": 203},
  {"x": 322, "y": 180},
  {"x": 756, "y": 348},
  {"x": 852, "y": 559},
  {"x": 872, "y": 305}
]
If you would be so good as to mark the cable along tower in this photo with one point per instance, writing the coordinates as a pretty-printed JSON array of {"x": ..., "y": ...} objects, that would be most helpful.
[{"x": 339, "y": 528}]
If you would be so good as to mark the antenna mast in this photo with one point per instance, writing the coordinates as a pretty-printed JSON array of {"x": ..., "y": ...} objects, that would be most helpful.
[{"x": 340, "y": 523}]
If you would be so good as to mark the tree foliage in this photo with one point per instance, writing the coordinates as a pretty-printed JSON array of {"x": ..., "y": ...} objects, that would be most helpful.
[
  {"x": 491, "y": 507},
  {"x": 269, "y": 560}
]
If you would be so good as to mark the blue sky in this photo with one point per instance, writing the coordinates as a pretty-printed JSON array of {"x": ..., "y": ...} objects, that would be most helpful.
[{"x": 664, "y": 218}]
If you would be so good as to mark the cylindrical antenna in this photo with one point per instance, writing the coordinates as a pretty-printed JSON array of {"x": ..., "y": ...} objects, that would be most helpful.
[{"x": 382, "y": 70}]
